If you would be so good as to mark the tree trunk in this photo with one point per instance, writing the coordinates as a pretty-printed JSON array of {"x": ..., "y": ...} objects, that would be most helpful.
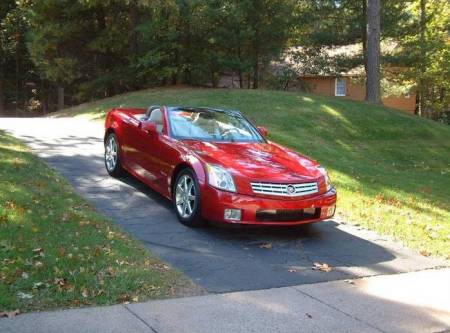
[
  {"x": 60, "y": 98},
  {"x": 2, "y": 99},
  {"x": 256, "y": 70},
  {"x": 214, "y": 79},
  {"x": 241, "y": 79},
  {"x": 364, "y": 32},
  {"x": 421, "y": 83},
  {"x": 373, "y": 52},
  {"x": 133, "y": 19},
  {"x": 255, "y": 75},
  {"x": 256, "y": 59},
  {"x": 17, "y": 78}
]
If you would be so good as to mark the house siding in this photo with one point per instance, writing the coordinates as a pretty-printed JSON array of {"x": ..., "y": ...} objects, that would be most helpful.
[{"x": 357, "y": 91}]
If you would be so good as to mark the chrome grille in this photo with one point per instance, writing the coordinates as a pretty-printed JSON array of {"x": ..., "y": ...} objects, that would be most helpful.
[{"x": 290, "y": 190}]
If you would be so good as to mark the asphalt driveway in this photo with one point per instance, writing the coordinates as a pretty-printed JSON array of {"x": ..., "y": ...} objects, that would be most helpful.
[{"x": 217, "y": 259}]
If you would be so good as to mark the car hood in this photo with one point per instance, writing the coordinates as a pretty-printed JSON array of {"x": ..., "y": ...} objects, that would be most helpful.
[{"x": 265, "y": 162}]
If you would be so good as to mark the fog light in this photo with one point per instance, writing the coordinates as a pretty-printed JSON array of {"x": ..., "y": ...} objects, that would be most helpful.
[
  {"x": 232, "y": 214},
  {"x": 330, "y": 211}
]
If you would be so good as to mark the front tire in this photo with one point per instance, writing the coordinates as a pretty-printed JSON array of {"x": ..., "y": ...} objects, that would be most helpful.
[
  {"x": 112, "y": 157},
  {"x": 186, "y": 199}
]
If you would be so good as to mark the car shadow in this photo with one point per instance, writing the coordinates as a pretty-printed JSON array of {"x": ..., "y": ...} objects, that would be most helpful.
[{"x": 226, "y": 258}]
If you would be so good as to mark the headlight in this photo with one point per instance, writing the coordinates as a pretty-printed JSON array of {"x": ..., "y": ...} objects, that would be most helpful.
[
  {"x": 325, "y": 175},
  {"x": 220, "y": 178}
]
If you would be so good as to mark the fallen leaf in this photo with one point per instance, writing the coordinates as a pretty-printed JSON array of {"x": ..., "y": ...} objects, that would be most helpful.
[
  {"x": 38, "y": 285},
  {"x": 60, "y": 281},
  {"x": 23, "y": 295},
  {"x": 266, "y": 246},
  {"x": 100, "y": 292},
  {"x": 85, "y": 293},
  {"x": 110, "y": 272},
  {"x": 61, "y": 251},
  {"x": 38, "y": 250},
  {"x": 69, "y": 287},
  {"x": 322, "y": 267},
  {"x": 425, "y": 253},
  {"x": 124, "y": 298},
  {"x": 76, "y": 302},
  {"x": 9, "y": 314}
]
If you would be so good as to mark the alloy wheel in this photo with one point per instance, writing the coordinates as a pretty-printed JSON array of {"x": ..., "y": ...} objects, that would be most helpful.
[
  {"x": 111, "y": 153},
  {"x": 185, "y": 196}
]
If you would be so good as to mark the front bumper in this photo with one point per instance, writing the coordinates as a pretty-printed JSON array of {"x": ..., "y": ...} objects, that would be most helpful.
[{"x": 214, "y": 202}]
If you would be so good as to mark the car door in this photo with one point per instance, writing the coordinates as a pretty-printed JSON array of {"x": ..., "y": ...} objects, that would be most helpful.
[
  {"x": 148, "y": 151},
  {"x": 130, "y": 135}
]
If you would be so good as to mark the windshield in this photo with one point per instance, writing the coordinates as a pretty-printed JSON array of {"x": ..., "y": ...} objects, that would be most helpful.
[{"x": 207, "y": 125}]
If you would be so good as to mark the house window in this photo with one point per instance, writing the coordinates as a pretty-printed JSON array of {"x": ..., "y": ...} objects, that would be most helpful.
[{"x": 340, "y": 87}]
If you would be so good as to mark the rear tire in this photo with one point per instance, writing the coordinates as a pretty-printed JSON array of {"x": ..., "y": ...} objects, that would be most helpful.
[
  {"x": 112, "y": 156},
  {"x": 186, "y": 199}
]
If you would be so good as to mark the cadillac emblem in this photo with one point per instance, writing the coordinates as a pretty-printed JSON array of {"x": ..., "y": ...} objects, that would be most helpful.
[{"x": 290, "y": 189}]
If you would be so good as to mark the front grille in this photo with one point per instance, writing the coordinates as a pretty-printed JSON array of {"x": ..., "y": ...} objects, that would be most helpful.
[
  {"x": 291, "y": 190},
  {"x": 287, "y": 215}
]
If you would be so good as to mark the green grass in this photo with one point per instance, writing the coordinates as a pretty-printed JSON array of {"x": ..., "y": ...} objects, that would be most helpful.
[
  {"x": 57, "y": 251},
  {"x": 391, "y": 169}
]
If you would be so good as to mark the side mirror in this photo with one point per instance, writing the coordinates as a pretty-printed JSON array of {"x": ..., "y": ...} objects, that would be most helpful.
[
  {"x": 264, "y": 132},
  {"x": 149, "y": 127}
]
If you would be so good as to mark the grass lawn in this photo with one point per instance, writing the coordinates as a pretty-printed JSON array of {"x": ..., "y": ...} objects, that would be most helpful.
[
  {"x": 57, "y": 251},
  {"x": 391, "y": 169}
]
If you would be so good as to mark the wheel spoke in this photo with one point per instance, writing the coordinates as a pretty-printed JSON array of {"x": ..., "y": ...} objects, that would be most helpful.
[
  {"x": 189, "y": 208},
  {"x": 185, "y": 185},
  {"x": 183, "y": 210}
]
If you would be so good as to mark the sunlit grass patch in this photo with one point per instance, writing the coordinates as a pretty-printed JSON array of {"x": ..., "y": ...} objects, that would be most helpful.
[{"x": 57, "y": 251}]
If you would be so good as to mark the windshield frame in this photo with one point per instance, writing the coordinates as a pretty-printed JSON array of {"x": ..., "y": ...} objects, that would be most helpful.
[{"x": 259, "y": 138}]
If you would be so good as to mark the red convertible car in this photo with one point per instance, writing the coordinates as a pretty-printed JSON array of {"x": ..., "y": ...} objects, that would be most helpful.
[{"x": 216, "y": 166}]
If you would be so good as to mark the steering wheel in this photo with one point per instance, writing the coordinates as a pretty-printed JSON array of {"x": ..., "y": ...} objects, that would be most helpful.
[{"x": 228, "y": 131}]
